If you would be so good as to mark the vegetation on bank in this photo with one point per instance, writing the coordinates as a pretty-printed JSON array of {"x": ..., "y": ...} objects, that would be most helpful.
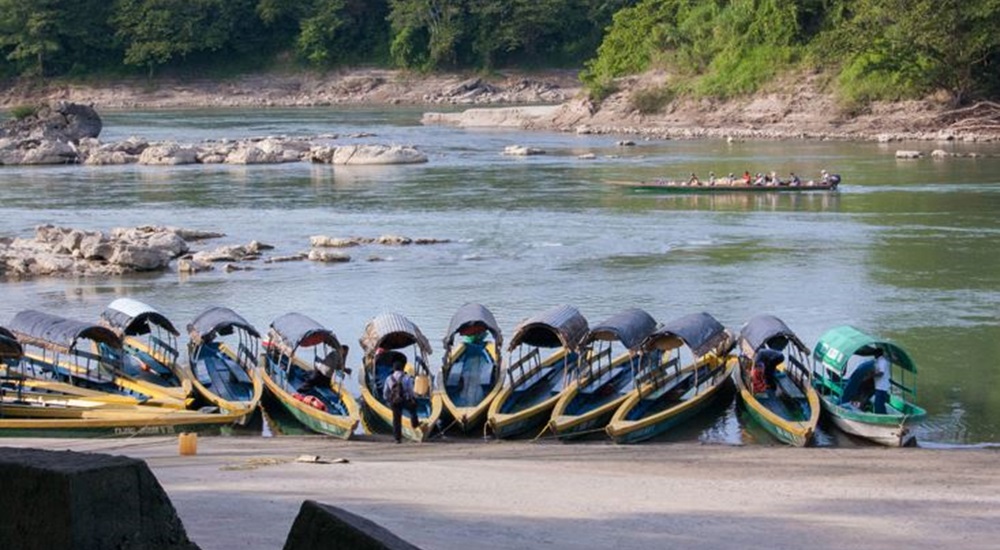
[
  {"x": 870, "y": 49},
  {"x": 83, "y": 37}
]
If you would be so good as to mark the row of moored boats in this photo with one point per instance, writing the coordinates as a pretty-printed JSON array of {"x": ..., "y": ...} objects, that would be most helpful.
[{"x": 628, "y": 377}]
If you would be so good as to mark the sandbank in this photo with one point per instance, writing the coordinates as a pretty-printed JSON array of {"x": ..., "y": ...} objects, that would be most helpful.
[{"x": 244, "y": 492}]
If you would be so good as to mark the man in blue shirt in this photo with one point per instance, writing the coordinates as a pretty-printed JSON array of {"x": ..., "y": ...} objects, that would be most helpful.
[{"x": 398, "y": 393}]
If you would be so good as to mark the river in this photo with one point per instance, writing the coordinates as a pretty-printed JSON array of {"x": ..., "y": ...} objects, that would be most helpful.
[{"x": 907, "y": 250}]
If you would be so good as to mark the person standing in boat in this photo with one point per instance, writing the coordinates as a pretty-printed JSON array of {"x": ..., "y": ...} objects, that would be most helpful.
[
  {"x": 883, "y": 379},
  {"x": 323, "y": 370},
  {"x": 398, "y": 393}
]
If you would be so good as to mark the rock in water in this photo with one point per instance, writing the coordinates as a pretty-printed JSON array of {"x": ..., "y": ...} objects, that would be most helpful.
[{"x": 61, "y": 121}]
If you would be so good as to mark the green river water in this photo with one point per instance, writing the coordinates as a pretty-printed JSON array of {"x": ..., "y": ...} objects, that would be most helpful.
[{"x": 907, "y": 250}]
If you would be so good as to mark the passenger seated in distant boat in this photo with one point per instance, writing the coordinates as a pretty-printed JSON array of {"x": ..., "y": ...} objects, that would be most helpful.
[
  {"x": 711, "y": 179},
  {"x": 759, "y": 179},
  {"x": 765, "y": 365},
  {"x": 693, "y": 180},
  {"x": 746, "y": 178},
  {"x": 794, "y": 181}
]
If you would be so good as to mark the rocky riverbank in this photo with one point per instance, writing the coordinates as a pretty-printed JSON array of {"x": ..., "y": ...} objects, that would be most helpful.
[
  {"x": 65, "y": 251},
  {"x": 801, "y": 107}
]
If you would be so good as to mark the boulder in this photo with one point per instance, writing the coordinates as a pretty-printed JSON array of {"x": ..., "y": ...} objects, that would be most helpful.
[
  {"x": 190, "y": 265},
  {"x": 377, "y": 154},
  {"x": 62, "y": 500},
  {"x": 67, "y": 251},
  {"x": 60, "y": 121},
  {"x": 168, "y": 154},
  {"x": 328, "y": 256},
  {"x": 321, "y": 154},
  {"x": 394, "y": 240},
  {"x": 252, "y": 155},
  {"x": 105, "y": 158},
  {"x": 38, "y": 152},
  {"x": 323, "y": 527},
  {"x": 322, "y": 241},
  {"x": 522, "y": 151},
  {"x": 903, "y": 154}
]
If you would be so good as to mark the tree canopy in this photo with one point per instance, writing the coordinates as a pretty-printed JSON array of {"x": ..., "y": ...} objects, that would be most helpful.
[{"x": 870, "y": 49}]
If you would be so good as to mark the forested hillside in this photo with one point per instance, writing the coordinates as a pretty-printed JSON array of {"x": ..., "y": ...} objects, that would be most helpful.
[{"x": 868, "y": 49}]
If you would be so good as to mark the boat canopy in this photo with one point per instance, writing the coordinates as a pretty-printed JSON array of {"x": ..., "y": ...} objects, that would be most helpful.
[
  {"x": 764, "y": 328},
  {"x": 700, "y": 331},
  {"x": 559, "y": 326},
  {"x": 217, "y": 320},
  {"x": 392, "y": 331},
  {"x": 294, "y": 330},
  {"x": 134, "y": 318},
  {"x": 55, "y": 332},
  {"x": 471, "y": 315},
  {"x": 10, "y": 348},
  {"x": 837, "y": 345},
  {"x": 630, "y": 327}
]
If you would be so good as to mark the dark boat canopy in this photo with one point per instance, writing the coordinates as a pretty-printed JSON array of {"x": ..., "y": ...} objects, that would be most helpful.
[
  {"x": 837, "y": 345},
  {"x": 132, "y": 317},
  {"x": 52, "y": 331},
  {"x": 560, "y": 326},
  {"x": 700, "y": 331},
  {"x": 217, "y": 320},
  {"x": 767, "y": 328},
  {"x": 630, "y": 327},
  {"x": 392, "y": 331},
  {"x": 10, "y": 348},
  {"x": 294, "y": 330},
  {"x": 469, "y": 316}
]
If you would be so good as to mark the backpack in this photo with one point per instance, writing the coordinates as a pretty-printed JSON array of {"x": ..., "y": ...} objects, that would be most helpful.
[{"x": 396, "y": 394}]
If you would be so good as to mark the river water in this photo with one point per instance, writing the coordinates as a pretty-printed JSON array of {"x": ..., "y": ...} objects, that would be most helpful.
[{"x": 907, "y": 250}]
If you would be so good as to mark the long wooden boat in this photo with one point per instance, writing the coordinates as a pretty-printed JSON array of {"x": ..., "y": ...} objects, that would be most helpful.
[
  {"x": 296, "y": 343},
  {"x": 686, "y": 364},
  {"x": 28, "y": 412},
  {"x": 843, "y": 377},
  {"x": 19, "y": 419},
  {"x": 222, "y": 356},
  {"x": 149, "y": 341},
  {"x": 385, "y": 337},
  {"x": 65, "y": 354},
  {"x": 534, "y": 381},
  {"x": 606, "y": 376},
  {"x": 784, "y": 401},
  {"x": 472, "y": 370},
  {"x": 670, "y": 186}
]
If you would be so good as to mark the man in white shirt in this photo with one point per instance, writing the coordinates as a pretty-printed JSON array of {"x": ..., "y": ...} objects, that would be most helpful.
[{"x": 883, "y": 378}]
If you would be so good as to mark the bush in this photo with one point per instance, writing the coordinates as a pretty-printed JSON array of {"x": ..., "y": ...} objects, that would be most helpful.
[
  {"x": 651, "y": 100},
  {"x": 21, "y": 112},
  {"x": 599, "y": 90}
]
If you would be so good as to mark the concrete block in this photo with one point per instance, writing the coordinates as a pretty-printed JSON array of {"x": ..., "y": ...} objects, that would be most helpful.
[
  {"x": 57, "y": 500},
  {"x": 323, "y": 527}
]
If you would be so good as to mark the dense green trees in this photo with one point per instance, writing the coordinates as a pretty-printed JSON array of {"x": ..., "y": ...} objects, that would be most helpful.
[
  {"x": 876, "y": 49},
  {"x": 869, "y": 49}
]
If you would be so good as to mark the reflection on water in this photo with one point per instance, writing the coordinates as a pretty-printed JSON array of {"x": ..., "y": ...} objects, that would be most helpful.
[{"x": 905, "y": 250}]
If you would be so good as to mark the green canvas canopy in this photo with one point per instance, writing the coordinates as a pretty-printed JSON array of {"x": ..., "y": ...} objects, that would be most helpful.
[{"x": 836, "y": 347}]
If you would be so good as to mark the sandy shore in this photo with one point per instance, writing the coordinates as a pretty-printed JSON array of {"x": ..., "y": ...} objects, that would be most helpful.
[{"x": 244, "y": 492}]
